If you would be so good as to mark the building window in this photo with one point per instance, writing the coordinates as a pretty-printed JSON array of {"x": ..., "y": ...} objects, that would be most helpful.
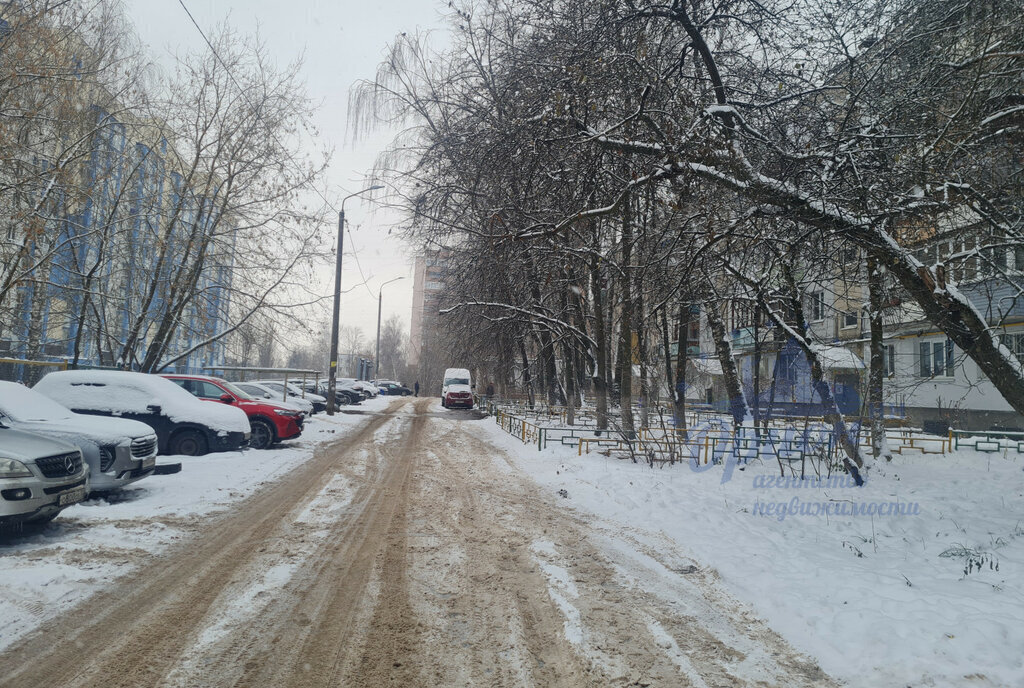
[
  {"x": 816, "y": 306},
  {"x": 889, "y": 360},
  {"x": 1015, "y": 343},
  {"x": 742, "y": 315},
  {"x": 850, "y": 319},
  {"x": 787, "y": 366},
  {"x": 935, "y": 359}
]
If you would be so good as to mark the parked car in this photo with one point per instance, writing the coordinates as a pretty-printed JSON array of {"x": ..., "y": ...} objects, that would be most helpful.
[
  {"x": 309, "y": 386},
  {"x": 258, "y": 391},
  {"x": 269, "y": 422},
  {"x": 39, "y": 476},
  {"x": 392, "y": 388},
  {"x": 118, "y": 451},
  {"x": 366, "y": 389},
  {"x": 183, "y": 424},
  {"x": 279, "y": 386},
  {"x": 371, "y": 389},
  {"x": 457, "y": 389},
  {"x": 345, "y": 388}
]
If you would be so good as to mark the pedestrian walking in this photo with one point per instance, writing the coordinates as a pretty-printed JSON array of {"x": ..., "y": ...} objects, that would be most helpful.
[{"x": 416, "y": 389}]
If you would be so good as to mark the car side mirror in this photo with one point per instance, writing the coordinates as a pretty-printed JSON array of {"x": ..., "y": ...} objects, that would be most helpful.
[
  {"x": 155, "y": 409},
  {"x": 227, "y": 398}
]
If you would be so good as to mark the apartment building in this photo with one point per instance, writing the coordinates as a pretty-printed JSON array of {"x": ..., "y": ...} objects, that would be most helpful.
[
  {"x": 928, "y": 380},
  {"x": 91, "y": 236},
  {"x": 430, "y": 273}
]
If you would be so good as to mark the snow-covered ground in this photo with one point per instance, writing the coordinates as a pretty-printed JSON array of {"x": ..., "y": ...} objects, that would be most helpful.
[
  {"x": 925, "y": 588},
  {"x": 91, "y": 544}
]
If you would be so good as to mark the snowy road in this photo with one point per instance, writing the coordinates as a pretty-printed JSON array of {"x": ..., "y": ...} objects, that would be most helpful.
[{"x": 410, "y": 553}]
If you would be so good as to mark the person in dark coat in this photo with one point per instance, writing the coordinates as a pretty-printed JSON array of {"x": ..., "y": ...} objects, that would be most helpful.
[{"x": 416, "y": 389}]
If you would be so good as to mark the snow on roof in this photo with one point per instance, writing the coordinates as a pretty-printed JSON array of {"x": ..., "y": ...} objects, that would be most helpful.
[
  {"x": 117, "y": 392},
  {"x": 837, "y": 357}
]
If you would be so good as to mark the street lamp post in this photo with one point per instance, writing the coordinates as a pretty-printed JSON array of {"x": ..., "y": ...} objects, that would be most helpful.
[
  {"x": 332, "y": 375},
  {"x": 376, "y": 355}
]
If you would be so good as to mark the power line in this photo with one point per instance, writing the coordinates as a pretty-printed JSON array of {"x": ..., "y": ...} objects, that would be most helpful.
[
  {"x": 245, "y": 95},
  {"x": 355, "y": 254}
]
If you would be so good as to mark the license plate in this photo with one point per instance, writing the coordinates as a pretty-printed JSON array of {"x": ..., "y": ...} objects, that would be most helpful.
[
  {"x": 72, "y": 497},
  {"x": 149, "y": 463}
]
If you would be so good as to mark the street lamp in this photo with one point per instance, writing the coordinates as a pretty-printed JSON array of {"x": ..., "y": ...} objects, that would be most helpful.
[
  {"x": 376, "y": 355},
  {"x": 332, "y": 376}
]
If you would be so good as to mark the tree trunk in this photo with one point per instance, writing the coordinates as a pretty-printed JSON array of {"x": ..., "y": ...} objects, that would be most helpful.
[
  {"x": 601, "y": 338},
  {"x": 625, "y": 367},
  {"x": 682, "y": 354},
  {"x": 527, "y": 381},
  {"x": 876, "y": 371},
  {"x": 570, "y": 385},
  {"x": 737, "y": 399},
  {"x": 831, "y": 414},
  {"x": 756, "y": 381},
  {"x": 645, "y": 387}
]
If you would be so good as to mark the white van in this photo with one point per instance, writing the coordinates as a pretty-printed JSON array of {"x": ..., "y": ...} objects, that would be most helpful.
[{"x": 457, "y": 390}]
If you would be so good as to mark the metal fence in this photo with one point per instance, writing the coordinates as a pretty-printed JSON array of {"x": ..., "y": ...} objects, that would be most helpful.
[{"x": 710, "y": 438}]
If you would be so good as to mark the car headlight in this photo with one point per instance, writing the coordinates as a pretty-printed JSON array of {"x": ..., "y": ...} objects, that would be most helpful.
[
  {"x": 9, "y": 468},
  {"x": 286, "y": 412}
]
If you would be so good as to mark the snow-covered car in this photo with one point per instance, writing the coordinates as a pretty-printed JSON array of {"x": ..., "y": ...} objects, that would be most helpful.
[
  {"x": 183, "y": 423},
  {"x": 118, "y": 451},
  {"x": 39, "y": 476},
  {"x": 366, "y": 389},
  {"x": 258, "y": 391},
  {"x": 278, "y": 386}
]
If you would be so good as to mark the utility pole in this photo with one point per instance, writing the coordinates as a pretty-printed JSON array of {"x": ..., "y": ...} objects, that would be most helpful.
[
  {"x": 376, "y": 355},
  {"x": 332, "y": 375}
]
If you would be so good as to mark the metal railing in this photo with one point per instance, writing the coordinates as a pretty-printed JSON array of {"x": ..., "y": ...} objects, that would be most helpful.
[
  {"x": 987, "y": 440},
  {"x": 710, "y": 438}
]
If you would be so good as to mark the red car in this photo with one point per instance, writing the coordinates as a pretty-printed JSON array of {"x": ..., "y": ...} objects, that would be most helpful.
[{"x": 268, "y": 422}]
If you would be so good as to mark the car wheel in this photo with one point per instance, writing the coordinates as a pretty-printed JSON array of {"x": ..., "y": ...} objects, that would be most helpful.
[
  {"x": 188, "y": 442},
  {"x": 261, "y": 434}
]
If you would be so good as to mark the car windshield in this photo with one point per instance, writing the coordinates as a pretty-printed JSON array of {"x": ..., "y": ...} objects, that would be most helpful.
[
  {"x": 236, "y": 390},
  {"x": 252, "y": 390},
  {"x": 23, "y": 404},
  {"x": 456, "y": 381}
]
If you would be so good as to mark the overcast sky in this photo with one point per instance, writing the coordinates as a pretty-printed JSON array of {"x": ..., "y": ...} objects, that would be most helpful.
[{"x": 341, "y": 41}]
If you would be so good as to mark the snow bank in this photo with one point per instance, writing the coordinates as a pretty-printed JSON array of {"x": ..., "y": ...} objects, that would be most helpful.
[
  {"x": 931, "y": 597},
  {"x": 117, "y": 392}
]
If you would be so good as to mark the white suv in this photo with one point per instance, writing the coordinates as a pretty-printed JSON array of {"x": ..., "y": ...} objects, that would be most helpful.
[
  {"x": 39, "y": 477},
  {"x": 118, "y": 451}
]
